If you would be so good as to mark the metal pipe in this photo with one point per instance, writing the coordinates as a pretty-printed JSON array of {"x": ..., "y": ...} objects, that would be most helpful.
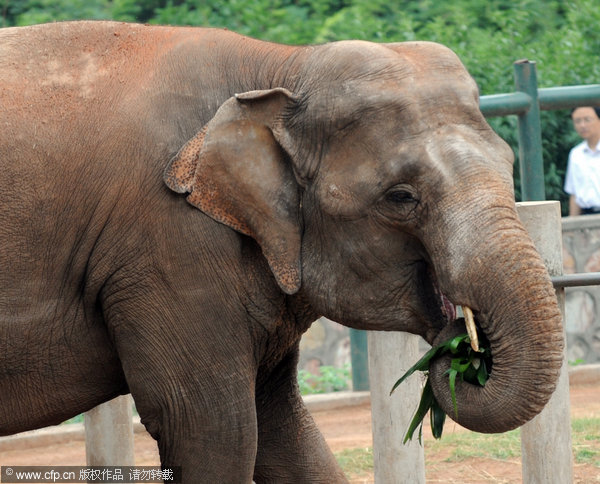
[
  {"x": 504, "y": 104},
  {"x": 567, "y": 97},
  {"x": 530, "y": 135},
  {"x": 550, "y": 98},
  {"x": 359, "y": 360},
  {"x": 576, "y": 280}
]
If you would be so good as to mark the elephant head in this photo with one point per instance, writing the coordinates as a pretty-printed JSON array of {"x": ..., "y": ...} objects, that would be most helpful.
[{"x": 379, "y": 194}]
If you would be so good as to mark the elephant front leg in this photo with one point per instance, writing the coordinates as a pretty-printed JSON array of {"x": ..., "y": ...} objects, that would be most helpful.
[
  {"x": 208, "y": 432},
  {"x": 196, "y": 400},
  {"x": 217, "y": 447},
  {"x": 290, "y": 446}
]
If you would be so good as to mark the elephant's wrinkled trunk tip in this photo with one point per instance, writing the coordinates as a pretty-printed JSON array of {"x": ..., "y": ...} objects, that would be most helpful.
[{"x": 524, "y": 368}]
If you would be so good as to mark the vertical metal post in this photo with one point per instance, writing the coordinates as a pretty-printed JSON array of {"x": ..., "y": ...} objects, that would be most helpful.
[
  {"x": 530, "y": 136},
  {"x": 358, "y": 355}
]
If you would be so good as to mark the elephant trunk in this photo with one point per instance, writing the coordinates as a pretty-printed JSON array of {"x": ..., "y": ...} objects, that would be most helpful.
[{"x": 515, "y": 307}]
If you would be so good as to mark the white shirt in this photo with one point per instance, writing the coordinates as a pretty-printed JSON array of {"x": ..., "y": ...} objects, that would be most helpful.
[{"x": 583, "y": 175}]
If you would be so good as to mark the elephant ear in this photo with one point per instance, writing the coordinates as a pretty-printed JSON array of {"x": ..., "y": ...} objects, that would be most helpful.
[{"x": 236, "y": 172}]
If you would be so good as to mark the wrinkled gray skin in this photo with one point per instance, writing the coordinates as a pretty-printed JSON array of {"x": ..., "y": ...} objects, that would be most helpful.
[{"x": 352, "y": 180}]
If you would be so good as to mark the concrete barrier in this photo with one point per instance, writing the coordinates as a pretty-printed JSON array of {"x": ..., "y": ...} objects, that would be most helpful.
[
  {"x": 546, "y": 440},
  {"x": 390, "y": 355},
  {"x": 109, "y": 433}
]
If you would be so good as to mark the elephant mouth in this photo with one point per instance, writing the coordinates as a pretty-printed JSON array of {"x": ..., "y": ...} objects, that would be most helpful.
[
  {"x": 448, "y": 308},
  {"x": 449, "y": 312}
]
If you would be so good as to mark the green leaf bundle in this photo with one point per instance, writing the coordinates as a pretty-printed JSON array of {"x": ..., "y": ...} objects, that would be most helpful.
[{"x": 471, "y": 366}]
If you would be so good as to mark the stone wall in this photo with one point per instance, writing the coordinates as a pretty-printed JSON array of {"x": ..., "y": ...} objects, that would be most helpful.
[
  {"x": 581, "y": 253},
  {"x": 328, "y": 343}
]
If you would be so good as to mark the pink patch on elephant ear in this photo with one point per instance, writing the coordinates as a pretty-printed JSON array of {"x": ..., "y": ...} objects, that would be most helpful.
[
  {"x": 179, "y": 175},
  {"x": 286, "y": 268},
  {"x": 281, "y": 254},
  {"x": 207, "y": 197}
]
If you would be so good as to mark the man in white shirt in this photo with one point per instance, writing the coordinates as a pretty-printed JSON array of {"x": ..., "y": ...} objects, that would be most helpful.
[{"x": 583, "y": 170}]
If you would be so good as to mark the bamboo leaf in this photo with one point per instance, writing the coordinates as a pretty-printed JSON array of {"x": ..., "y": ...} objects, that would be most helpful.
[
  {"x": 452, "y": 377},
  {"x": 455, "y": 342},
  {"x": 482, "y": 374},
  {"x": 437, "y": 418},
  {"x": 470, "y": 365},
  {"x": 421, "y": 365},
  {"x": 427, "y": 400},
  {"x": 470, "y": 375},
  {"x": 459, "y": 365}
]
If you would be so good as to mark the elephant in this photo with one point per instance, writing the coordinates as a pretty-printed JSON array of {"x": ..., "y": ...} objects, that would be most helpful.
[{"x": 179, "y": 204}]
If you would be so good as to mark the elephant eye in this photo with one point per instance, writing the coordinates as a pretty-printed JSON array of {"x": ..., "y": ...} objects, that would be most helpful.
[
  {"x": 400, "y": 195},
  {"x": 400, "y": 203}
]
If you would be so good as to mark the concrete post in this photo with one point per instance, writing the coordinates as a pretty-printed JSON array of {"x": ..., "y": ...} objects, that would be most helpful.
[
  {"x": 109, "y": 433},
  {"x": 546, "y": 440},
  {"x": 390, "y": 355}
]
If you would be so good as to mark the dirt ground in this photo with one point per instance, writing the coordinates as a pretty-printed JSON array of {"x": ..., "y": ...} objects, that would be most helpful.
[{"x": 350, "y": 428}]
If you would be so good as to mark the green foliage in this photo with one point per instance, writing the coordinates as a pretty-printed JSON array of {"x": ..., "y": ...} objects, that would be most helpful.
[
  {"x": 76, "y": 419},
  {"x": 330, "y": 379},
  {"x": 562, "y": 36},
  {"x": 471, "y": 366},
  {"x": 41, "y": 11}
]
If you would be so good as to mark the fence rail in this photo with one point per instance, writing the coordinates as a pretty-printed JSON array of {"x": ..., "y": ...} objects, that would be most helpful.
[
  {"x": 550, "y": 98},
  {"x": 577, "y": 280}
]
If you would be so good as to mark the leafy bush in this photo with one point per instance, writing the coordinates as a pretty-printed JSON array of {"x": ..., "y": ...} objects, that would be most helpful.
[{"x": 330, "y": 379}]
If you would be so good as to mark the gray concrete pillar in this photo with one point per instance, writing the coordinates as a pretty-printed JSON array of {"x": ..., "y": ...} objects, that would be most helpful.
[
  {"x": 546, "y": 440},
  {"x": 390, "y": 355},
  {"x": 109, "y": 433}
]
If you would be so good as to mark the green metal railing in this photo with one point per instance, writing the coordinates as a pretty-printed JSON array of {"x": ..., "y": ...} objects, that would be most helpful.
[{"x": 526, "y": 103}]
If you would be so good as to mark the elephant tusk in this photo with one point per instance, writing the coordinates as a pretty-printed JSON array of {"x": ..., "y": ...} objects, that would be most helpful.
[{"x": 471, "y": 330}]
